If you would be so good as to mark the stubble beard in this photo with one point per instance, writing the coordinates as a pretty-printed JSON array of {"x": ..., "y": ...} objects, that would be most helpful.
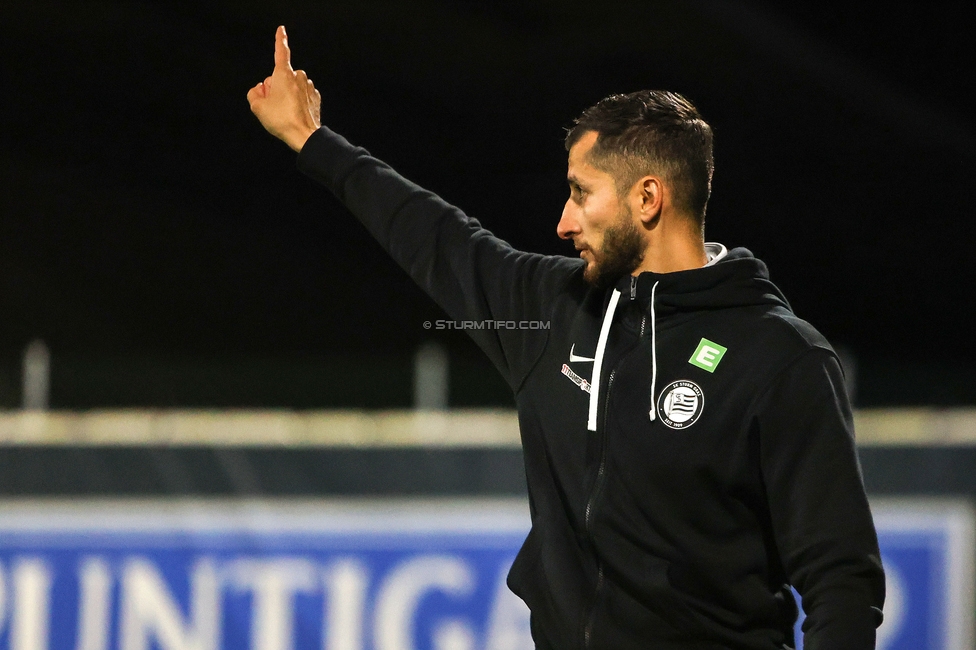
[{"x": 620, "y": 254}]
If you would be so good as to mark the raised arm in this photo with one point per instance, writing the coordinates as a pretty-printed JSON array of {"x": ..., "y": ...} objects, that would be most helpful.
[{"x": 474, "y": 276}]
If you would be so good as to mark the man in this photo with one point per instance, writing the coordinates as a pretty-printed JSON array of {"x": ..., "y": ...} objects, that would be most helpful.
[{"x": 688, "y": 442}]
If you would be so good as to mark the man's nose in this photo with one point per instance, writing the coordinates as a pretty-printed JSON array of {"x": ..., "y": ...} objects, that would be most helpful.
[{"x": 568, "y": 225}]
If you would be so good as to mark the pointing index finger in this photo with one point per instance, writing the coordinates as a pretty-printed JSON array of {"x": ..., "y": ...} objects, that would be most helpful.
[{"x": 282, "y": 55}]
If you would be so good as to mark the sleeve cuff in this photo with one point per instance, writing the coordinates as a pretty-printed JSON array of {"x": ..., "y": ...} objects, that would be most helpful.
[{"x": 326, "y": 157}]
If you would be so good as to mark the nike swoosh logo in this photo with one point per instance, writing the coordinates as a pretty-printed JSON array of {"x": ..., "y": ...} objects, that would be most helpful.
[{"x": 573, "y": 358}]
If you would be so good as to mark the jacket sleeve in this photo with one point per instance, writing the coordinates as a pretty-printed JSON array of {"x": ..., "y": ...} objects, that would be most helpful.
[
  {"x": 471, "y": 274},
  {"x": 821, "y": 521}
]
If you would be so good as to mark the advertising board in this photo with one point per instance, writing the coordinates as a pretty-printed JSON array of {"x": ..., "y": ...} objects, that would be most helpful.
[
  {"x": 265, "y": 575},
  {"x": 360, "y": 574}
]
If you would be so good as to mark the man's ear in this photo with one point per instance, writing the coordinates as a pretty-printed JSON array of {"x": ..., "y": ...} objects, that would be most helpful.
[{"x": 650, "y": 191}]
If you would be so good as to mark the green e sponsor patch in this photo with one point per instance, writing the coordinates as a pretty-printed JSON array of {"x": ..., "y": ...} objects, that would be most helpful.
[{"x": 708, "y": 355}]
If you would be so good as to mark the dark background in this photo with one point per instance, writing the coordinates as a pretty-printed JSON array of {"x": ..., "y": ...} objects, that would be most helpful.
[{"x": 168, "y": 253}]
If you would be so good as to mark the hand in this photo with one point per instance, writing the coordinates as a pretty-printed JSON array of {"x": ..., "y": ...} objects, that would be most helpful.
[{"x": 287, "y": 103}]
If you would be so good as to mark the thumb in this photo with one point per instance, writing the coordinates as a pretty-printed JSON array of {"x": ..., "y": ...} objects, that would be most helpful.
[{"x": 282, "y": 55}]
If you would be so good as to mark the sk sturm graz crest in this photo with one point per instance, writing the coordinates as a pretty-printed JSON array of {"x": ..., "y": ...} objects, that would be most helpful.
[{"x": 680, "y": 404}]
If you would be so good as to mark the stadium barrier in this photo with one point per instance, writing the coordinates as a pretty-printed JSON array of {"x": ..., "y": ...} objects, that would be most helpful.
[
  {"x": 378, "y": 428},
  {"x": 276, "y": 530}
]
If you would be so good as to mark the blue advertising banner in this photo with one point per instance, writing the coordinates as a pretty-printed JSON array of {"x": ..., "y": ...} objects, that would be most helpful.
[
  {"x": 360, "y": 574},
  {"x": 267, "y": 576}
]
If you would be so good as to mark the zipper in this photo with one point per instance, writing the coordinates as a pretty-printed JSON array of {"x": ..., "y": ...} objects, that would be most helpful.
[
  {"x": 588, "y": 630},
  {"x": 600, "y": 473},
  {"x": 603, "y": 455},
  {"x": 633, "y": 288}
]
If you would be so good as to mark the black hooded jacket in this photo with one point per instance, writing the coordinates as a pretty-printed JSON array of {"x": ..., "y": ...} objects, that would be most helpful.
[{"x": 688, "y": 441}]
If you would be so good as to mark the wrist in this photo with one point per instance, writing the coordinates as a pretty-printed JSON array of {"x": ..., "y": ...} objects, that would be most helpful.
[{"x": 296, "y": 138}]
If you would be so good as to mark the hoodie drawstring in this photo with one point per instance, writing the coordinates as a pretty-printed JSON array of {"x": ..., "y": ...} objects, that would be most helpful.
[
  {"x": 653, "y": 412},
  {"x": 601, "y": 346}
]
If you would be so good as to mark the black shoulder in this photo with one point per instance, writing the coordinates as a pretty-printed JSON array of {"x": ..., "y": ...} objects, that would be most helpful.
[{"x": 793, "y": 333}]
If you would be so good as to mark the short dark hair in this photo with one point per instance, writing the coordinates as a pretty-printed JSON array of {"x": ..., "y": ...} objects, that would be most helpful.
[{"x": 652, "y": 131}]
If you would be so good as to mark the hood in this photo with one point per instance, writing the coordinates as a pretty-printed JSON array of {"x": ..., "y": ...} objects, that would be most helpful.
[
  {"x": 730, "y": 279},
  {"x": 738, "y": 279}
]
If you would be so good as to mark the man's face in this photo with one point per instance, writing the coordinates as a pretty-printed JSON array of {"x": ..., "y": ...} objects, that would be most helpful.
[{"x": 600, "y": 223}]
